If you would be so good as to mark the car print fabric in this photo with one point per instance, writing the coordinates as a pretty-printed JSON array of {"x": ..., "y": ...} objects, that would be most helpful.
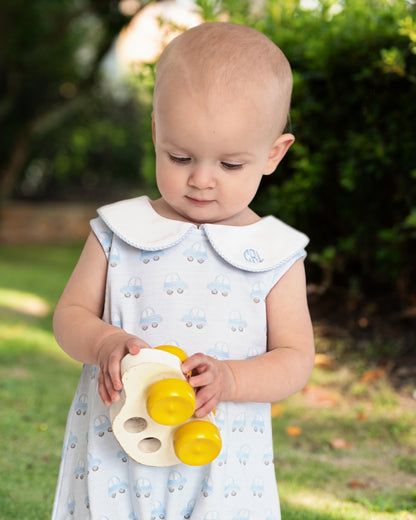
[{"x": 202, "y": 289}]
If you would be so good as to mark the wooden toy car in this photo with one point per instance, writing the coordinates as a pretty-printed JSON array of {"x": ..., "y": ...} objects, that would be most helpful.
[{"x": 153, "y": 420}]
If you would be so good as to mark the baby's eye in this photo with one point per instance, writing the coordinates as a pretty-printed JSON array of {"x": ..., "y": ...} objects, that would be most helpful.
[
  {"x": 232, "y": 166},
  {"x": 179, "y": 159}
]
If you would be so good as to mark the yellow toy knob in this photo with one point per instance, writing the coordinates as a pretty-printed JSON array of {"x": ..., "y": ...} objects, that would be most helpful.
[
  {"x": 172, "y": 349},
  {"x": 170, "y": 401},
  {"x": 177, "y": 351},
  {"x": 197, "y": 442}
]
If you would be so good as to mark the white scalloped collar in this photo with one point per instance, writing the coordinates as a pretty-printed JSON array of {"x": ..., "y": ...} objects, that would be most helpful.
[{"x": 261, "y": 246}]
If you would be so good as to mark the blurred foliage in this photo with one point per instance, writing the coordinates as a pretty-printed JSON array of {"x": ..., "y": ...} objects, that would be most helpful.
[
  {"x": 96, "y": 155},
  {"x": 349, "y": 179},
  {"x": 50, "y": 65}
]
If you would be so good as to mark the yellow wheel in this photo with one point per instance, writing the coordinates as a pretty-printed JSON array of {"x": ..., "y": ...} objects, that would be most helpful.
[
  {"x": 172, "y": 349},
  {"x": 170, "y": 401},
  {"x": 197, "y": 442}
]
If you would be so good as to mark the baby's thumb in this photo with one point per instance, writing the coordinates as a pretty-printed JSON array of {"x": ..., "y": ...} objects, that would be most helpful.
[{"x": 134, "y": 345}]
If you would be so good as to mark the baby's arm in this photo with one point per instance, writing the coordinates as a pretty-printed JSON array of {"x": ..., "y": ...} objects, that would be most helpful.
[
  {"x": 78, "y": 326},
  {"x": 282, "y": 371}
]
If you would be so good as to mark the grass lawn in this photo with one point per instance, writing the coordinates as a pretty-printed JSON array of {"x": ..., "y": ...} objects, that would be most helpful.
[{"x": 345, "y": 446}]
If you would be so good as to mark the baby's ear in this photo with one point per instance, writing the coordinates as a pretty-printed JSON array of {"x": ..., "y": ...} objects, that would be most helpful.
[{"x": 278, "y": 151}]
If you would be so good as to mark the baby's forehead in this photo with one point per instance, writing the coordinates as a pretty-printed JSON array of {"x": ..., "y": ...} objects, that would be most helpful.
[
  {"x": 226, "y": 60},
  {"x": 223, "y": 50}
]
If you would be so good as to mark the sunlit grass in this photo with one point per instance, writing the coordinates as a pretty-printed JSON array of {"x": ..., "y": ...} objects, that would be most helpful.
[
  {"x": 37, "y": 380},
  {"x": 24, "y": 302},
  {"x": 344, "y": 463},
  {"x": 353, "y": 458}
]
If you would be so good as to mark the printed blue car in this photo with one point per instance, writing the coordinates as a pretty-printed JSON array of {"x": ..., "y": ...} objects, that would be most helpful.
[
  {"x": 222, "y": 457},
  {"x": 147, "y": 256},
  {"x": 195, "y": 316},
  {"x": 80, "y": 470},
  {"x": 243, "y": 514},
  {"x": 175, "y": 481},
  {"x": 188, "y": 510},
  {"x": 82, "y": 405},
  {"x": 93, "y": 463},
  {"x": 72, "y": 440},
  {"x": 196, "y": 252},
  {"x": 134, "y": 287},
  {"x": 116, "y": 486},
  {"x": 236, "y": 322},
  {"x": 206, "y": 488},
  {"x": 231, "y": 487},
  {"x": 219, "y": 351},
  {"x": 268, "y": 456},
  {"x": 158, "y": 511},
  {"x": 174, "y": 283},
  {"x": 258, "y": 423},
  {"x": 149, "y": 318},
  {"x": 102, "y": 425},
  {"x": 220, "y": 285},
  {"x": 114, "y": 259},
  {"x": 243, "y": 454},
  {"x": 257, "y": 486},
  {"x": 258, "y": 292},
  {"x": 143, "y": 487},
  {"x": 239, "y": 422}
]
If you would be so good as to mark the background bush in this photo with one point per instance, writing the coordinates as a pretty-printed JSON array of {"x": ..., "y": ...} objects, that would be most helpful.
[{"x": 349, "y": 181}]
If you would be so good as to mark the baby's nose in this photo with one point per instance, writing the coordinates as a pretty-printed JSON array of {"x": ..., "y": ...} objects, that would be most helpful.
[{"x": 202, "y": 177}]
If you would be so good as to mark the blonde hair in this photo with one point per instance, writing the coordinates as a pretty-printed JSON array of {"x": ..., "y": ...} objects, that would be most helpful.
[{"x": 232, "y": 59}]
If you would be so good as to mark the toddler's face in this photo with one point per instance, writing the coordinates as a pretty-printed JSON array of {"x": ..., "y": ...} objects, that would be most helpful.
[{"x": 210, "y": 157}]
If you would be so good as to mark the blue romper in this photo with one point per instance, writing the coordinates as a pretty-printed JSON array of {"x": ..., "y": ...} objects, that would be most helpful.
[{"x": 202, "y": 289}]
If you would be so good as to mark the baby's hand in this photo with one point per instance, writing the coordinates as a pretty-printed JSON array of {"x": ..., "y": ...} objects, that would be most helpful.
[
  {"x": 110, "y": 354},
  {"x": 212, "y": 380}
]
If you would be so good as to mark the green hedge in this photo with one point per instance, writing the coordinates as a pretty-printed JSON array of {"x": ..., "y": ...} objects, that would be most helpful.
[{"x": 349, "y": 180}]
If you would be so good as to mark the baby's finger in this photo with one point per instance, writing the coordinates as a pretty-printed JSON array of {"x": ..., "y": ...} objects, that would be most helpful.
[
  {"x": 193, "y": 362},
  {"x": 206, "y": 406},
  {"x": 203, "y": 379},
  {"x": 111, "y": 391},
  {"x": 114, "y": 373},
  {"x": 102, "y": 390}
]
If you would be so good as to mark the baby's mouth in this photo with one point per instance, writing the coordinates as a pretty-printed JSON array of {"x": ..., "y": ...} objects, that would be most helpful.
[{"x": 199, "y": 202}]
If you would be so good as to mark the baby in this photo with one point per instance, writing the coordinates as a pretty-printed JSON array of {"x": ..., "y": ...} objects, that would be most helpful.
[{"x": 209, "y": 275}]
